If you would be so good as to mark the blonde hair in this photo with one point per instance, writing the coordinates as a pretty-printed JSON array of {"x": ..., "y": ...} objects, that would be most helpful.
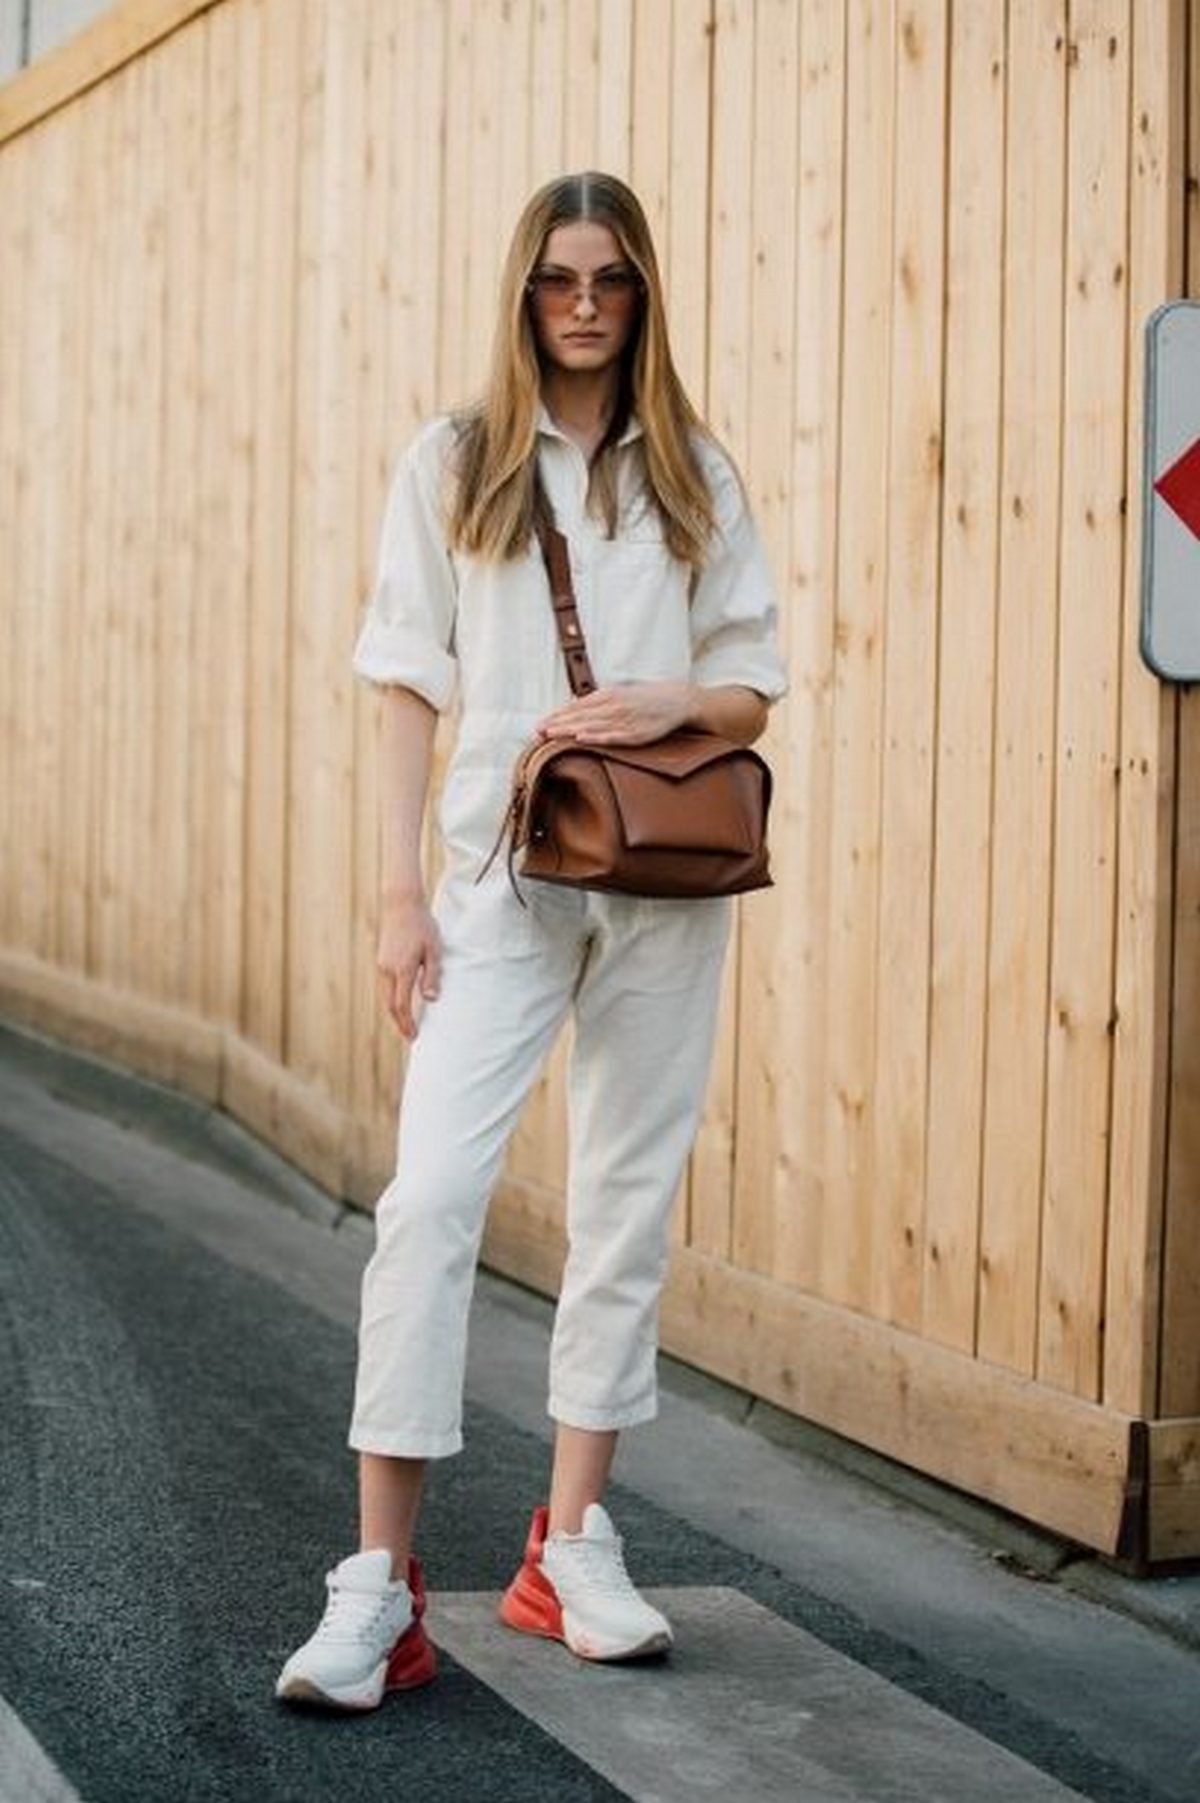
[{"x": 493, "y": 506}]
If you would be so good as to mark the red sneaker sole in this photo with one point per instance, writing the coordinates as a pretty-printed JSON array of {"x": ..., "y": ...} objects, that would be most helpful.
[
  {"x": 531, "y": 1605},
  {"x": 413, "y": 1661}
]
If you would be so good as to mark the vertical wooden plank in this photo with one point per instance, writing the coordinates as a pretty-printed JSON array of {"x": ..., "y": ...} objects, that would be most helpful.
[
  {"x": 650, "y": 122},
  {"x": 480, "y": 195},
  {"x": 41, "y": 597},
  {"x": 804, "y": 751},
  {"x": 21, "y": 247},
  {"x": 764, "y": 968},
  {"x": 1142, "y": 996},
  {"x": 515, "y": 77},
  {"x": 547, "y": 110},
  {"x": 101, "y": 703},
  {"x": 326, "y": 518},
  {"x": 412, "y": 365},
  {"x": 497, "y": 171},
  {"x": 208, "y": 984},
  {"x": 859, "y": 647},
  {"x": 687, "y": 270},
  {"x": 273, "y": 380},
  {"x": 453, "y": 348},
  {"x": 174, "y": 743},
  {"x": 1179, "y": 1375},
  {"x": 119, "y": 449},
  {"x": 128, "y": 803},
  {"x": 1092, "y": 558},
  {"x": 614, "y": 135},
  {"x": 915, "y": 459},
  {"x": 729, "y": 339},
  {"x": 1026, "y": 652},
  {"x": 70, "y": 747},
  {"x": 966, "y": 675},
  {"x": 581, "y": 83},
  {"x": 144, "y": 577},
  {"x": 14, "y": 200},
  {"x": 247, "y": 199}
]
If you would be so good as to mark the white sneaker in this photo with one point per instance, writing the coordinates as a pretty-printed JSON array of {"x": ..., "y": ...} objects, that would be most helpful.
[
  {"x": 370, "y": 1638},
  {"x": 575, "y": 1587}
]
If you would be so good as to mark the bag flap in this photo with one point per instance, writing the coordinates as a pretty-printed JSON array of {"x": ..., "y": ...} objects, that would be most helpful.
[{"x": 679, "y": 755}]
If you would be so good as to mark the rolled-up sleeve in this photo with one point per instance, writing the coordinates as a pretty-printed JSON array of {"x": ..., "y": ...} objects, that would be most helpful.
[
  {"x": 734, "y": 618},
  {"x": 406, "y": 637}
]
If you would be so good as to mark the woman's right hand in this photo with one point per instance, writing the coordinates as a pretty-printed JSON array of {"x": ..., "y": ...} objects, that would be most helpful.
[{"x": 409, "y": 958}]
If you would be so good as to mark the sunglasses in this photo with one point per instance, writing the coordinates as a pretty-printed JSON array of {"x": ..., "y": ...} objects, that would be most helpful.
[{"x": 558, "y": 290}]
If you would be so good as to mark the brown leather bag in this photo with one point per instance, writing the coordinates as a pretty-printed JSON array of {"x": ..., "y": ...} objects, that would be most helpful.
[{"x": 685, "y": 815}]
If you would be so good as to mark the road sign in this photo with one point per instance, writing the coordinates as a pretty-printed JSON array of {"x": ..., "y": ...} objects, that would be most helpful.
[{"x": 1171, "y": 494}]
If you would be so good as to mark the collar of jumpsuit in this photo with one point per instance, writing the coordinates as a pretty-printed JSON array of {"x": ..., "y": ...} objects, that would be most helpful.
[{"x": 547, "y": 425}]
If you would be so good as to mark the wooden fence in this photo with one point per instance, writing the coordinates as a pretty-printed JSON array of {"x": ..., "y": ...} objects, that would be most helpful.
[{"x": 945, "y": 1197}]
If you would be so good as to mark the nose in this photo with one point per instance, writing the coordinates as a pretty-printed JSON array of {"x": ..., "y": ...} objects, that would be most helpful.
[{"x": 585, "y": 304}]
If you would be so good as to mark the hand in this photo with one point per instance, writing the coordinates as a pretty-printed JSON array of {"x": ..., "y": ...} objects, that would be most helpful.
[
  {"x": 627, "y": 713},
  {"x": 409, "y": 958}
]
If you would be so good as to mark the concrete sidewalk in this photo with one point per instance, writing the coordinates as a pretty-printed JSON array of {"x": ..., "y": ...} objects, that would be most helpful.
[{"x": 1091, "y": 1676}]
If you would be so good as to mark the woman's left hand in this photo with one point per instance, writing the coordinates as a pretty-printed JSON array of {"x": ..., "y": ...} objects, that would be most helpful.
[{"x": 627, "y": 713}]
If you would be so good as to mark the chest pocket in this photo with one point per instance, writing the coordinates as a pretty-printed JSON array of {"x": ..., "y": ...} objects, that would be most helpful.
[{"x": 638, "y": 622}]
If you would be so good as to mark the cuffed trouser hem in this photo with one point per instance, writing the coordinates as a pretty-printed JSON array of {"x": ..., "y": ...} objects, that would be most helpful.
[
  {"x": 631, "y": 1414},
  {"x": 416, "y": 1443}
]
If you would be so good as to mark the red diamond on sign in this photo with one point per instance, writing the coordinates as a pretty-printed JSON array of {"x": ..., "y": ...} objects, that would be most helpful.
[{"x": 1180, "y": 488}]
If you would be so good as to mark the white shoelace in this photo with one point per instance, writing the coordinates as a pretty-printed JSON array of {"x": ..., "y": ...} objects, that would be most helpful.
[
  {"x": 600, "y": 1565},
  {"x": 351, "y": 1614}
]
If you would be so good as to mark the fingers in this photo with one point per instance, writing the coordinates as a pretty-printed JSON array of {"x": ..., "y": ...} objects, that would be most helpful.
[
  {"x": 624, "y": 714},
  {"x": 397, "y": 997},
  {"x": 420, "y": 974},
  {"x": 604, "y": 711},
  {"x": 431, "y": 969}
]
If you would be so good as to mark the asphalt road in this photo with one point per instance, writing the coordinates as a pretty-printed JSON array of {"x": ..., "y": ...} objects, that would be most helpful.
[{"x": 174, "y": 1481}]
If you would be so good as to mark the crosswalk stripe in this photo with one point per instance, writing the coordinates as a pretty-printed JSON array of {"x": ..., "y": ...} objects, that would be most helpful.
[
  {"x": 27, "y": 1772},
  {"x": 746, "y": 1705}
]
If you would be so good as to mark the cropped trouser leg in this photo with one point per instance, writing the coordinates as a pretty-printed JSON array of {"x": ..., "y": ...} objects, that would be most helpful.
[
  {"x": 645, "y": 1020},
  {"x": 477, "y": 1053},
  {"x": 644, "y": 978}
]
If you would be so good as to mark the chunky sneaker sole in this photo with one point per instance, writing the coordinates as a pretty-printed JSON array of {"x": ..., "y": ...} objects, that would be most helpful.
[
  {"x": 411, "y": 1663},
  {"x": 531, "y": 1605}
]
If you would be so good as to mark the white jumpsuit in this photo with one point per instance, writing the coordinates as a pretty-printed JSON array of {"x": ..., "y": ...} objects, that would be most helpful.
[{"x": 641, "y": 975}]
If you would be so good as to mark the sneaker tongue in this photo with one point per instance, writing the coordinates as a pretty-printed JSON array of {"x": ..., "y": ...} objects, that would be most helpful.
[
  {"x": 365, "y": 1571},
  {"x": 597, "y": 1523}
]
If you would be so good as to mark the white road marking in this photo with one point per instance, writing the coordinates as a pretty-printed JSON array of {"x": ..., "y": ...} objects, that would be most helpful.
[
  {"x": 27, "y": 1772},
  {"x": 746, "y": 1705}
]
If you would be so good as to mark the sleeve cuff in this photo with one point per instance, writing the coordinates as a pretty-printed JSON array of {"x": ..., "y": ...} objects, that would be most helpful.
[
  {"x": 396, "y": 656},
  {"x": 746, "y": 666}
]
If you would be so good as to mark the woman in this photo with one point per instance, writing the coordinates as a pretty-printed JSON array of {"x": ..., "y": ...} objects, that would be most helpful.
[{"x": 585, "y": 418}]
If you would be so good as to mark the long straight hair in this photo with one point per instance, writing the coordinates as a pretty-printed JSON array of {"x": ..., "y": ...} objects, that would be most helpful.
[{"x": 493, "y": 506}]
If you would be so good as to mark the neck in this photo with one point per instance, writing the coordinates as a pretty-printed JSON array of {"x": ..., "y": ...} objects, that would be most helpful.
[{"x": 581, "y": 403}]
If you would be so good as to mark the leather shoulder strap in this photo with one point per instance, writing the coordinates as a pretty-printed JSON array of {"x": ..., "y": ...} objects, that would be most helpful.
[{"x": 557, "y": 559}]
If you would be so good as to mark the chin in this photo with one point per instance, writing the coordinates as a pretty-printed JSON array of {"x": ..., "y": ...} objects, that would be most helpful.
[{"x": 586, "y": 356}]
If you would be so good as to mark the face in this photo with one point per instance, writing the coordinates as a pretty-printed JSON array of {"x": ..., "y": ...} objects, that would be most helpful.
[{"x": 584, "y": 297}]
